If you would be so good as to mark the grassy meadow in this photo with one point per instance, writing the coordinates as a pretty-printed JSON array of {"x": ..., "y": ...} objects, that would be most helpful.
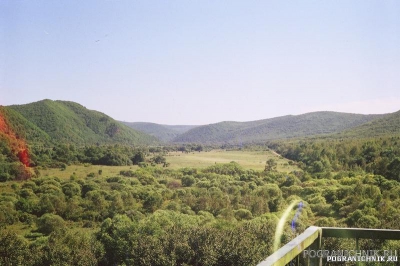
[
  {"x": 247, "y": 159},
  {"x": 84, "y": 170}
]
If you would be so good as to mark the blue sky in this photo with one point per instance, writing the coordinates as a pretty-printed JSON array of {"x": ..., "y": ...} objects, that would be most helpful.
[{"x": 199, "y": 62}]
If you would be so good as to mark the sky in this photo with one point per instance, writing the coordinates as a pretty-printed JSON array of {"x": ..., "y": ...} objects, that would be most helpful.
[{"x": 201, "y": 62}]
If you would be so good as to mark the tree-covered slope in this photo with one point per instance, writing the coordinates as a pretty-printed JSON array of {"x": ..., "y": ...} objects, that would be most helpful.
[
  {"x": 16, "y": 124},
  {"x": 164, "y": 133},
  {"x": 290, "y": 126},
  {"x": 72, "y": 123},
  {"x": 384, "y": 126}
]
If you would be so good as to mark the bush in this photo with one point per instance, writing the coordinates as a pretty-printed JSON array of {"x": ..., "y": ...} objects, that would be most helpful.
[
  {"x": 5, "y": 177},
  {"x": 128, "y": 173},
  {"x": 91, "y": 174},
  {"x": 13, "y": 249},
  {"x": 49, "y": 223},
  {"x": 71, "y": 189},
  {"x": 188, "y": 181},
  {"x": 243, "y": 214}
]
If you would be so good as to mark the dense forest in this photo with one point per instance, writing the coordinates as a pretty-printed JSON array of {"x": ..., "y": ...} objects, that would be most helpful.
[
  {"x": 221, "y": 215},
  {"x": 324, "y": 157},
  {"x": 151, "y": 214}
]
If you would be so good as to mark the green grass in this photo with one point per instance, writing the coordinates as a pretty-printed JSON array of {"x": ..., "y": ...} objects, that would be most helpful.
[
  {"x": 82, "y": 171},
  {"x": 247, "y": 159}
]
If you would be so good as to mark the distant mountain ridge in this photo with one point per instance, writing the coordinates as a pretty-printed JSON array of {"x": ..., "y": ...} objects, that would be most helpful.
[
  {"x": 165, "y": 133},
  {"x": 290, "y": 126},
  {"x": 50, "y": 121},
  {"x": 63, "y": 121}
]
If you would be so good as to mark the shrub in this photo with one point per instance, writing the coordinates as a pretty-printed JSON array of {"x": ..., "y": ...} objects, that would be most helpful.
[
  {"x": 91, "y": 174},
  {"x": 49, "y": 223}
]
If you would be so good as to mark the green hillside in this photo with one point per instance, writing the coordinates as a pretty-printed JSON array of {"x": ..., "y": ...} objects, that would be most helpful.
[
  {"x": 70, "y": 122},
  {"x": 164, "y": 133},
  {"x": 290, "y": 126},
  {"x": 384, "y": 126},
  {"x": 25, "y": 129}
]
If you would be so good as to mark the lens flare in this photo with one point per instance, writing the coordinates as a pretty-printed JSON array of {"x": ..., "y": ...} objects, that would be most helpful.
[
  {"x": 299, "y": 208},
  {"x": 281, "y": 225}
]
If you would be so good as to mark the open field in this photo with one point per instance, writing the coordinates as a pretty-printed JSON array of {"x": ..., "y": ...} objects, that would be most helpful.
[
  {"x": 82, "y": 171},
  {"x": 248, "y": 159}
]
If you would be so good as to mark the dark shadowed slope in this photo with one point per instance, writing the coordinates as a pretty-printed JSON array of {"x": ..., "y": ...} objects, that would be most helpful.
[{"x": 290, "y": 126}]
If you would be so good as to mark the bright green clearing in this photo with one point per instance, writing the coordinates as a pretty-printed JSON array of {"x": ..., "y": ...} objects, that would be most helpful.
[{"x": 248, "y": 159}]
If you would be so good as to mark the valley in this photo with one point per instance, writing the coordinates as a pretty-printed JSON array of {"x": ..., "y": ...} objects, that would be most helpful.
[{"x": 95, "y": 191}]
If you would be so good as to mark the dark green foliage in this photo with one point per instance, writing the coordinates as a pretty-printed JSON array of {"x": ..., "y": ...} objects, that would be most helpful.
[
  {"x": 188, "y": 181},
  {"x": 49, "y": 223},
  {"x": 13, "y": 171},
  {"x": 139, "y": 157},
  {"x": 158, "y": 159},
  {"x": 60, "y": 248},
  {"x": 270, "y": 165},
  {"x": 87, "y": 187},
  {"x": 128, "y": 173},
  {"x": 220, "y": 215},
  {"x": 393, "y": 169},
  {"x": 68, "y": 248},
  {"x": 13, "y": 249},
  {"x": 378, "y": 156},
  {"x": 71, "y": 189},
  {"x": 232, "y": 168},
  {"x": 61, "y": 155},
  {"x": 151, "y": 202},
  {"x": 181, "y": 243}
]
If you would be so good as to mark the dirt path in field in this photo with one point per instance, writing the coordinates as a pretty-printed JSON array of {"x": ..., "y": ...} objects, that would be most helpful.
[{"x": 274, "y": 152}]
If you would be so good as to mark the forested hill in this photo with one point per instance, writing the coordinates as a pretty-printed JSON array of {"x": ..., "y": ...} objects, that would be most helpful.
[
  {"x": 50, "y": 121},
  {"x": 290, "y": 126},
  {"x": 164, "y": 133},
  {"x": 384, "y": 126},
  {"x": 69, "y": 122},
  {"x": 14, "y": 125}
]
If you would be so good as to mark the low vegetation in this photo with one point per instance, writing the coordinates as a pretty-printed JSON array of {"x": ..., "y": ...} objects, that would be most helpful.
[
  {"x": 106, "y": 203},
  {"x": 218, "y": 215}
]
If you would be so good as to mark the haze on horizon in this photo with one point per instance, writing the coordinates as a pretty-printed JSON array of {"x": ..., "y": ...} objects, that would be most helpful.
[{"x": 201, "y": 62}]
